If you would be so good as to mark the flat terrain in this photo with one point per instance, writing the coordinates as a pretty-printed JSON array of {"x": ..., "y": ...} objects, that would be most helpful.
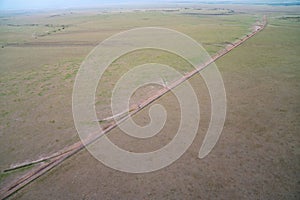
[{"x": 257, "y": 156}]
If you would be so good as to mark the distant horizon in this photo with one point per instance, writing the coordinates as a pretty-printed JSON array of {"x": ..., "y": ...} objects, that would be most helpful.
[{"x": 10, "y": 5}]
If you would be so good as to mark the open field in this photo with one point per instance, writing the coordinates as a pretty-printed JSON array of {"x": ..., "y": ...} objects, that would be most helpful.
[{"x": 257, "y": 156}]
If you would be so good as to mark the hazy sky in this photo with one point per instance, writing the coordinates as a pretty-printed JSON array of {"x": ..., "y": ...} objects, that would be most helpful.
[{"x": 50, "y": 4}]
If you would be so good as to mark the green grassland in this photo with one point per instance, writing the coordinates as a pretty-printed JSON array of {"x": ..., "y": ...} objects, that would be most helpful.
[
  {"x": 37, "y": 73},
  {"x": 41, "y": 53}
]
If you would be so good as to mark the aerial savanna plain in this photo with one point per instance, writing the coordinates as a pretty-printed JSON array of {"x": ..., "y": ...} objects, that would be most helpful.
[{"x": 257, "y": 154}]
